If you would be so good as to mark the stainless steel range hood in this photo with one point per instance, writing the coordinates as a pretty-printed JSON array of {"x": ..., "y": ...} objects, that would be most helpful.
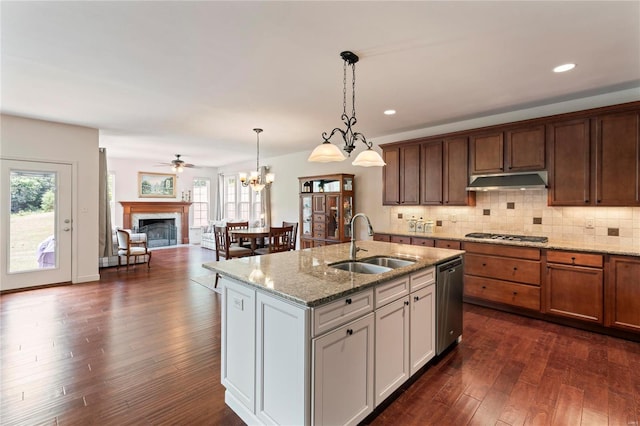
[{"x": 508, "y": 182}]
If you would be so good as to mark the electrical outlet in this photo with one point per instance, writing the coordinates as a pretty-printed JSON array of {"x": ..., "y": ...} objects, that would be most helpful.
[
  {"x": 589, "y": 223},
  {"x": 399, "y": 215}
]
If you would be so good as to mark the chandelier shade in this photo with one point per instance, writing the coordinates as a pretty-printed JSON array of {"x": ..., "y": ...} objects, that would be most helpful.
[
  {"x": 255, "y": 179},
  {"x": 326, "y": 151}
]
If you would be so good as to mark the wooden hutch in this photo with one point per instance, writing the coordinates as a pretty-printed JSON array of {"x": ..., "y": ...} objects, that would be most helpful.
[{"x": 326, "y": 208}]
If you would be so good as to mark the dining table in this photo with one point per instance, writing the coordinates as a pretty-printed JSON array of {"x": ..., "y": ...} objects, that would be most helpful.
[{"x": 251, "y": 234}]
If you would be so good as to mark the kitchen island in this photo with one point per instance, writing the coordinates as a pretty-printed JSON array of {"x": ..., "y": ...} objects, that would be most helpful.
[{"x": 305, "y": 343}]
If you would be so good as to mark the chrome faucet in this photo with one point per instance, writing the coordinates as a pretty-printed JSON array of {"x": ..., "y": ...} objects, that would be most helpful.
[{"x": 353, "y": 249}]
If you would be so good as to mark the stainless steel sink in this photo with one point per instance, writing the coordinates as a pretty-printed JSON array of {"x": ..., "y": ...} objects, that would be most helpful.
[
  {"x": 360, "y": 267},
  {"x": 388, "y": 262}
]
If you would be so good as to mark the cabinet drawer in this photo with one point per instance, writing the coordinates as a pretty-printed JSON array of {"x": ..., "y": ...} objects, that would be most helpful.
[
  {"x": 521, "y": 295},
  {"x": 341, "y": 311},
  {"x": 319, "y": 218},
  {"x": 390, "y": 291},
  {"x": 503, "y": 268},
  {"x": 503, "y": 250},
  {"x": 571, "y": 258},
  {"x": 382, "y": 237},
  {"x": 425, "y": 242},
  {"x": 319, "y": 226},
  {"x": 400, "y": 239},
  {"x": 318, "y": 234},
  {"x": 422, "y": 279},
  {"x": 448, "y": 244}
]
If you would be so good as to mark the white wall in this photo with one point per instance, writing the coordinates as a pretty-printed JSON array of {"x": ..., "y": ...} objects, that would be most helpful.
[
  {"x": 126, "y": 180},
  {"x": 37, "y": 140}
]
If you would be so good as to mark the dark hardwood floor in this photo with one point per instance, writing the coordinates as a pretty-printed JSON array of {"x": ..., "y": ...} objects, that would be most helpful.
[{"x": 143, "y": 347}]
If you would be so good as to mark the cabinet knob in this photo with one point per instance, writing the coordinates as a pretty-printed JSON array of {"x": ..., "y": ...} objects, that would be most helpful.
[
  {"x": 515, "y": 268},
  {"x": 586, "y": 201},
  {"x": 515, "y": 293},
  {"x": 349, "y": 332},
  {"x": 348, "y": 301},
  {"x": 416, "y": 298},
  {"x": 573, "y": 260},
  {"x": 406, "y": 303},
  {"x": 484, "y": 264},
  {"x": 484, "y": 286}
]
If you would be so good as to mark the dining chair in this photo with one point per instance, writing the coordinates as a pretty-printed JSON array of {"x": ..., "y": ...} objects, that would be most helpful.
[
  {"x": 294, "y": 234},
  {"x": 225, "y": 249},
  {"x": 129, "y": 248},
  {"x": 279, "y": 240},
  {"x": 239, "y": 225}
]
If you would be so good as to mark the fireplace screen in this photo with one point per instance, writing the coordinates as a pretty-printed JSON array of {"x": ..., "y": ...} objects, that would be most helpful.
[{"x": 160, "y": 232}]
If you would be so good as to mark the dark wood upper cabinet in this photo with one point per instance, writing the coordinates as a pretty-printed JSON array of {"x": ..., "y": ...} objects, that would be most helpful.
[
  {"x": 487, "y": 153},
  {"x": 525, "y": 149},
  {"x": 617, "y": 168},
  {"x": 595, "y": 162},
  {"x": 401, "y": 175},
  {"x": 569, "y": 150},
  {"x": 431, "y": 173},
  {"x": 514, "y": 150},
  {"x": 456, "y": 173}
]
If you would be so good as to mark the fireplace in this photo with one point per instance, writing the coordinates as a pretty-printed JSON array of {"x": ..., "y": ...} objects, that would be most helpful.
[
  {"x": 134, "y": 211},
  {"x": 160, "y": 232}
]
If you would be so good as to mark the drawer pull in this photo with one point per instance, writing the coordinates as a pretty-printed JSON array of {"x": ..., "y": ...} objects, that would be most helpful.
[
  {"x": 573, "y": 260},
  {"x": 348, "y": 301},
  {"x": 349, "y": 332},
  {"x": 484, "y": 264},
  {"x": 515, "y": 268},
  {"x": 406, "y": 303},
  {"x": 515, "y": 293},
  {"x": 416, "y": 298},
  {"x": 484, "y": 286}
]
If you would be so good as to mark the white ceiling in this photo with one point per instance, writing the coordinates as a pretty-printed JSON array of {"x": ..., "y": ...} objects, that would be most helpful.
[{"x": 194, "y": 78}]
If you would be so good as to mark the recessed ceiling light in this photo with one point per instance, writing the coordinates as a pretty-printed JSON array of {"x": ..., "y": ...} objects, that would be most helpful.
[
  {"x": 390, "y": 112},
  {"x": 564, "y": 67}
]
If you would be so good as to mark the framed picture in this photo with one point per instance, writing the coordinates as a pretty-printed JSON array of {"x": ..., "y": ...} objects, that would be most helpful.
[{"x": 156, "y": 185}]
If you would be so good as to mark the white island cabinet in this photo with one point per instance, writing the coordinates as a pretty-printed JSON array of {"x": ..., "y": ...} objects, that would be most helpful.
[
  {"x": 284, "y": 363},
  {"x": 304, "y": 343}
]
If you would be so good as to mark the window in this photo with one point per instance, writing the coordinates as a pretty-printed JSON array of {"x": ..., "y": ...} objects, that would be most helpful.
[
  {"x": 200, "y": 202},
  {"x": 241, "y": 203}
]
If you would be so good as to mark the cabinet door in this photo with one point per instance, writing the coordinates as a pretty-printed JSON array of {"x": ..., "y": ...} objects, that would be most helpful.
[
  {"x": 319, "y": 204},
  {"x": 569, "y": 163},
  {"x": 575, "y": 292},
  {"x": 525, "y": 149},
  {"x": 282, "y": 387},
  {"x": 410, "y": 175},
  {"x": 306, "y": 216},
  {"x": 333, "y": 217},
  {"x": 422, "y": 340},
  {"x": 343, "y": 374},
  {"x": 392, "y": 348},
  {"x": 391, "y": 176},
  {"x": 456, "y": 173},
  {"x": 618, "y": 160},
  {"x": 431, "y": 173},
  {"x": 623, "y": 293},
  {"x": 486, "y": 153},
  {"x": 237, "y": 335}
]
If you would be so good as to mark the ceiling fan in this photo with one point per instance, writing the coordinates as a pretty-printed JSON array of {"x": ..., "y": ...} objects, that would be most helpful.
[{"x": 178, "y": 165}]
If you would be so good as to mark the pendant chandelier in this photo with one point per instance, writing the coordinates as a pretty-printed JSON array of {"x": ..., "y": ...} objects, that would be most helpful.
[
  {"x": 326, "y": 151},
  {"x": 255, "y": 180}
]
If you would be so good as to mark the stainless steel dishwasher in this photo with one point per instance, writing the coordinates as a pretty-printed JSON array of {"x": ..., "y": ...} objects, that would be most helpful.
[{"x": 448, "y": 303}]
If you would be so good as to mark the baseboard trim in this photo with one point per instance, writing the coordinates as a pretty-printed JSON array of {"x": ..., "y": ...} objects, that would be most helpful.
[{"x": 86, "y": 279}]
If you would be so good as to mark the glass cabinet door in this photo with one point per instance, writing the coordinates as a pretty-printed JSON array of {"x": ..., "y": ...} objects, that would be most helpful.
[
  {"x": 333, "y": 216},
  {"x": 347, "y": 214},
  {"x": 307, "y": 214}
]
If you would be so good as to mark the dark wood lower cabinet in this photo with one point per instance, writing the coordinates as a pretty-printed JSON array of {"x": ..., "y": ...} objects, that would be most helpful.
[
  {"x": 575, "y": 292},
  {"x": 623, "y": 293}
]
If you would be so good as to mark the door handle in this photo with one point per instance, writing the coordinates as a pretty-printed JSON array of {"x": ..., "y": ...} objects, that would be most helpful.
[{"x": 66, "y": 229}]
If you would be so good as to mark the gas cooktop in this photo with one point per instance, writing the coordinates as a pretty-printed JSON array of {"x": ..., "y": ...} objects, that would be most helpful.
[{"x": 507, "y": 237}]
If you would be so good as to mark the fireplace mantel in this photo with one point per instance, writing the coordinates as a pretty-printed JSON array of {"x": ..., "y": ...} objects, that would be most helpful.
[{"x": 139, "y": 207}]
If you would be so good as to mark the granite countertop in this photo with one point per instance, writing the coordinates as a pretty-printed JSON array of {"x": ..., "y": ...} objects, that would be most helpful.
[
  {"x": 304, "y": 277},
  {"x": 552, "y": 244}
]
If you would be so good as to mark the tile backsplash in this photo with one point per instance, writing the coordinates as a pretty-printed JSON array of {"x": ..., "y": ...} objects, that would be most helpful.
[{"x": 526, "y": 212}]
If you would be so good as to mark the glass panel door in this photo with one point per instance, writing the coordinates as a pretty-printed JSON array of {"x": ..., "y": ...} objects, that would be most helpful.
[
  {"x": 305, "y": 208},
  {"x": 37, "y": 223},
  {"x": 333, "y": 217}
]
